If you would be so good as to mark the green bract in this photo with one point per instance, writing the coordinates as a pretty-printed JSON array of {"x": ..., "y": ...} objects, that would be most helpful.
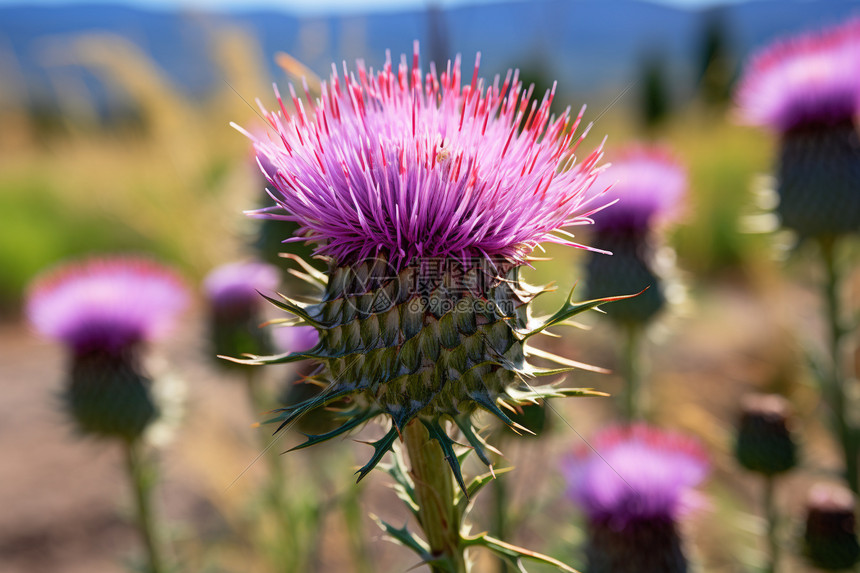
[{"x": 435, "y": 341}]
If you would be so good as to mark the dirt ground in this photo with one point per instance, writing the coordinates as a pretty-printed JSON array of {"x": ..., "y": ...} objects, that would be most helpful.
[{"x": 64, "y": 499}]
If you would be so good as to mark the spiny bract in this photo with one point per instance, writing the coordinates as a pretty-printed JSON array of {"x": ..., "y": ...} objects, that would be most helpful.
[{"x": 425, "y": 196}]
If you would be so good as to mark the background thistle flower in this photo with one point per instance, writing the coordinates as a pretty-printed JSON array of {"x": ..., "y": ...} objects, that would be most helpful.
[
  {"x": 104, "y": 310},
  {"x": 830, "y": 536},
  {"x": 800, "y": 88},
  {"x": 649, "y": 186},
  {"x": 427, "y": 195},
  {"x": 632, "y": 494},
  {"x": 236, "y": 307},
  {"x": 765, "y": 443}
]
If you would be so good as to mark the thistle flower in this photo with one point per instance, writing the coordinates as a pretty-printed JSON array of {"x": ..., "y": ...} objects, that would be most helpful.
[
  {"x": 426, "y": 194},
  {"x": 649, "y": 186},
  {"x": 104, "y": 310},
  {"x": 236, "y": 307},
  {"x": 830, "y": 537},
  {"x": 803, "y": 88},
  {"x": 633, "y": 493}
]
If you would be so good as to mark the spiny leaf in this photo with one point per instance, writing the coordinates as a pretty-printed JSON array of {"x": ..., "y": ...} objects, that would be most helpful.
[
  {"x": 535, "y": 393},
  {"x": 570, "y": 309},
  {"x": 474, "y": 439},
  {"x": 404, "y": 487},
  {"x": 514, "y": 553},
  {"x": 476, "y": 485},
  {"x": 312, "y": 271},
  {"x": 285, "y": 358},
  {"x": 380, "y": 448},
  {"x": 438, "y": 433},
  {"x": 489, "y": 404},
  {"x": 293, "y": 308},
  {"x": 293, "y": 412},
  {"x": 355, "y": 420},
  {"x": 404, "y": 537},
  {"x": 532, "y": 351}
]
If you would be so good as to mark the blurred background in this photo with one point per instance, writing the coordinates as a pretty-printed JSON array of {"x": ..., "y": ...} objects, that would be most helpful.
[{"x": 115, "y": 137}]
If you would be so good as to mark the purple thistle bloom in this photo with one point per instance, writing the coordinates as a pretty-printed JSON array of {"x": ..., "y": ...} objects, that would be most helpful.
[
  {"x": 807, "y": 89},
  {"x": 103, "y": 309},
  {"x": 659, "y": 470},
  {"x": 405, "y": 165},
  {"x": 632, "y": 493},
  {"x": 236, "y": 316},
  {"x": 808, "y": 79},
  {"x": 648, "y": 183},
  {"x": 106, "y": 304},
  {"x": 239, "y": 284}
]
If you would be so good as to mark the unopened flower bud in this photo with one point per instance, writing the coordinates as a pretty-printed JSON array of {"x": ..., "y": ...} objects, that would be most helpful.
[
  {"x": 765, "y": 443},
  {"x": 831, "y": 536}
]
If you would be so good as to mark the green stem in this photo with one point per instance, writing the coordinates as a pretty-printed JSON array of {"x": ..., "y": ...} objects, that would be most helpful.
[
  {"x": 288, "y": 550},
  {"x": 500, "y": 522},
  {"x": 434, "y": 492},
  {"x": 141, "y": 477},
  {"x": 631, "y": 370},
  {"x": 772, "y": 519},
  {"x": 352, "y": 514},
  {"x": 834, "y": 387}
]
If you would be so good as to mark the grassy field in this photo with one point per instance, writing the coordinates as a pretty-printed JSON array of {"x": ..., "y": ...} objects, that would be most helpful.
[{"x": 175, "y": 185}]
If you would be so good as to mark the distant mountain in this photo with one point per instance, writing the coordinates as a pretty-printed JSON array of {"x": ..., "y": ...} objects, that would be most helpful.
[{"x": 589, "y": 46}]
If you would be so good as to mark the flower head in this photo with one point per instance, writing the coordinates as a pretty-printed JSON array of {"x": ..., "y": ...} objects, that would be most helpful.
[
  {"x": 102, "y": 309},
  {"x": 404, "y": 165},
  {"x": 830, "y": 537},
  {"x": 240, "y": 284},
  {"x": 806, "y": 79},
  {"x": 426, "y": 195},
  {"x": 648, "y": 183},
  {"x": 641, "y": 473},
  {"x": 106, "y": 304}
]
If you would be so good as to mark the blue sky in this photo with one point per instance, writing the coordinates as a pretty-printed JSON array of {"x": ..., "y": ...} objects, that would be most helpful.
[{"x": 316, "y": 6}]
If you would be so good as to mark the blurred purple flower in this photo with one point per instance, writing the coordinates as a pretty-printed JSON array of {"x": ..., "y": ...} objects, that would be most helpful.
[
  {"x": 404, "y": 165},
  {"x": 633, "y": 492},
  {"x": 106, "y": 304},
  {"x": 102, "y": 309},
  {"x": 239, "y": 284},
  {"x": 807, "y": 79},
  {"x": 807, "y": 88},
  {"x": 641, "y": 472},
  {"x": 649, "y": 185},
  {"x": 295, "y": 338}
]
